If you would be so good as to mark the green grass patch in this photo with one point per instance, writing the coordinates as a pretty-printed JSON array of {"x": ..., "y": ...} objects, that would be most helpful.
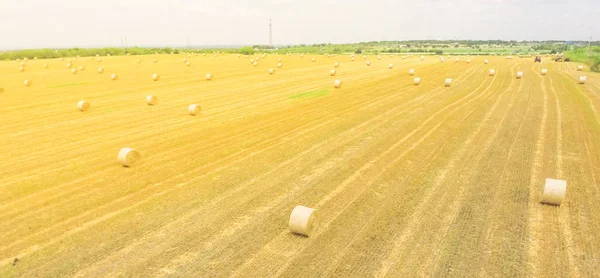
[
  {"x": 66, "y": 85},
  {"x": 311, "y": 94}
]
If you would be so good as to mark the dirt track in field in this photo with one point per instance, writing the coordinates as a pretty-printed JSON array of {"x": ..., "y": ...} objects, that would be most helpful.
[{"x": 408, "y": 180}]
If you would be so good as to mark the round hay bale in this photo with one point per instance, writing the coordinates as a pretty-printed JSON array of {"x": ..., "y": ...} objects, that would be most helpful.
[
  {"x": 27, "y": 83},
  {"x": 69, "y": 65},
  {"x": 279, "y": 60},
  {"x": 279, "y": 65},
  {"x": 448, "y": 82},
  {"x": 332, "y": 72},
  {"x": 255, "y": 64},
  {"x": 154, "y": 61},
  {"x": 416, "y": 81},
  {"x": 185, "y": 60},
  {"x": 336, "y": 64},
  {"x": 21, "y": 69},
  {"x": 314, "y": 59},
  {"x": 468, "y": 61},
  {"x": 391, "y": 66},
  {"x": 337, "y": 84},
  {"x": 74, "y": 71},
  {"x": 579, "y": 68},
  {"x": 422, "y": 57},
  {"x": 129, "y": 157},
  {"x": 411, "y": 72},
  {"x": 352, "y": 59},
  {"x": 457, "y": 59},
  {"x": 485, "y": 61},
  {"x": 188, "y": 64},
  {"x": 208, "y": 76},
  {"x": 83, "y": 105},
  {"x": 582, "y": 79},
  {"x": 155, "y": 77},
  {"x": 81, "y": 68},
  {"x": 238, "y": 55},
  {"x": 100, "y": 70},
  {"x": 492, "y": 72},
  {"x": 151, "y": 100},
  {"x": 99, "y": 60},
  {"x": 301, "y": 55},
  {"x": 45, "y": 66},
  {"x": 194, "y": 109},
  {"x": 114, "y": 76},
  {"x": 138, "y": 61},
  {"x": 544, "y": 71},
  {"x": 302, "y": 221},
  {"x": 441, "y": 59},
  {"x": 554, "y": 192},
  {"x": 519, "y": 74},
  {"x": 368, "y": 63},
  {"x": 271, "y": 71},
  {"x": 378, "y": 57}
]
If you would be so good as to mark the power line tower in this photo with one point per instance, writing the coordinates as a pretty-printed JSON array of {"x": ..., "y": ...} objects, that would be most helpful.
[{"x": 270, "y": 34}]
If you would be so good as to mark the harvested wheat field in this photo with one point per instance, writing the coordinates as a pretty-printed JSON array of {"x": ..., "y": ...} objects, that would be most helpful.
[{"x": 407, "y": 180}]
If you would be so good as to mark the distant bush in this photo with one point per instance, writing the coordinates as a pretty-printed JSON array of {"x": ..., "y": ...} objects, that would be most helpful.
[
  {"x": 247, "y": 50},
  {"x": 358, "y": 51},
  {"x": 439, "y": 52}
]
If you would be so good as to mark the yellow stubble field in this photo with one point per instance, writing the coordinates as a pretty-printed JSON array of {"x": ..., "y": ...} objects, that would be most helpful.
[{"x": 407, "y": 180}]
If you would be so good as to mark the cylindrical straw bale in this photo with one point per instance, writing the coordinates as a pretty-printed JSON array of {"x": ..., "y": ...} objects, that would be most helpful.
[
  {"x": 151, "y": 100},
  {"x": 411, "y": 72},
  {"x": 448, "y": 82},
  {"x": 194, "y": 109},
  {"x": 83, "y": 105},
  {"x": 416, "y": 81},
  {"x": 337, "y": 84},
  {"x": 554, "y": 192},
  {"x": 129, "y": 157},
  {"x": 332, "y": 72},
  {"x": 519, "y": 74},
  {"x": 582, "y": 79},
  {"x": 303, "y": 220}
]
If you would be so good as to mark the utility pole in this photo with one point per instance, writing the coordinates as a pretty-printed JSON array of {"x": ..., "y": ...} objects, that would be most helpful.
[
  {"x": 589, "y": 44},
  {"x": 270, "y": 35}
]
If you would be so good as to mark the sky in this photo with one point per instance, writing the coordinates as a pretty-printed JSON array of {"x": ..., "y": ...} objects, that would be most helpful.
[{"x": 26, "y": 24}]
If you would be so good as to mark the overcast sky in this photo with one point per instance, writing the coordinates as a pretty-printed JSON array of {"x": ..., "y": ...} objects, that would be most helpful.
[{"x": 83, "y": 23}]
